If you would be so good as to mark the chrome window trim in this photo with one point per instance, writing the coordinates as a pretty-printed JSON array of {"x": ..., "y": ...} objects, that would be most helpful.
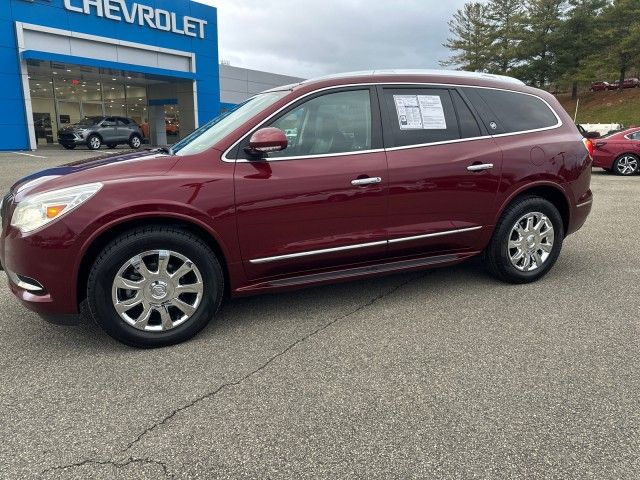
[
  {"x": 258, "y": 261},
  {"x": 404, "y": 147}
]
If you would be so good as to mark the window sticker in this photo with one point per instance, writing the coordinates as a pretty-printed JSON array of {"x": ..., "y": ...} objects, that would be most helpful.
[{"x": 420, "y": 112}]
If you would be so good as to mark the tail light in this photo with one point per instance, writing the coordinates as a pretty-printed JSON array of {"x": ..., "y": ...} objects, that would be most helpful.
[{"x": 588, "y": 144}]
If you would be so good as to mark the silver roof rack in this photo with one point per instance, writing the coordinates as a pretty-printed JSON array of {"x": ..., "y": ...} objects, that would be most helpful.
[{"x": 447, "y": 73}]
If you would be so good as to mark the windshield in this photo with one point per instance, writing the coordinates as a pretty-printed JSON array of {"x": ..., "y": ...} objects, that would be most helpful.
[
  {"x": 88, "y": 121},
  {"x": 218, "y": 128}
]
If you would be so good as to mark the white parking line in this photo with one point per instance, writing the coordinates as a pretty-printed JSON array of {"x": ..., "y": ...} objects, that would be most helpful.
[{"x": 28, "y": 155}]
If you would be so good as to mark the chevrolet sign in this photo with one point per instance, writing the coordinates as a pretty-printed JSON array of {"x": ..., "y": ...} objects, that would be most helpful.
[{"x": 156, "y": 18}]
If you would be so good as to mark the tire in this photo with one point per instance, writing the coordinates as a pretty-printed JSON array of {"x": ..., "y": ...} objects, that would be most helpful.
[
  {"x": 498, "y": 255},
  {"x": 135, "y": 142},
  {"x": 112, "y": 145},
  {"x": 69, "y": 147},
  {"x": 94, "y": 142},
  {"x": 626, "y": 165},
  {"x": 150, "y": 297}
]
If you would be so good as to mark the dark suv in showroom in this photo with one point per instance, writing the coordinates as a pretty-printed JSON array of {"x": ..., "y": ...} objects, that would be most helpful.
[
  {"x": 97, "y": 131},
  {"x": 379, "y": 172}
]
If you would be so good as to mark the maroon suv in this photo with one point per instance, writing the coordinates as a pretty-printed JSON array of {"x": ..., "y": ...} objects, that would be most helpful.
[{"x": 377, "y": 173}]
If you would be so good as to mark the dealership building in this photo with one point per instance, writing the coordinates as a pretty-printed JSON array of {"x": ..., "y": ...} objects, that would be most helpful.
[{"x": 155, "y": 61}]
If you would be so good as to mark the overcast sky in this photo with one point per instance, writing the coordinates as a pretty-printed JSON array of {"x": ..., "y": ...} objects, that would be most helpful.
[{"x": 307, "y": 38}]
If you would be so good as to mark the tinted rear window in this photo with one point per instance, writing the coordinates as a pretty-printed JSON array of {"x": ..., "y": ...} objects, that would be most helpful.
[{"x": 516, "y": 112}]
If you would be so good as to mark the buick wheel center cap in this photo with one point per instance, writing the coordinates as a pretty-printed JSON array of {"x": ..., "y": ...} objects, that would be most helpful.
[
  {"x": 531, "y": 241},
  {"x": 159, "y": 290}
]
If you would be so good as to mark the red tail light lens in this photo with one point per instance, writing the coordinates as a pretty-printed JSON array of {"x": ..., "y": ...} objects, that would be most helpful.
[{"x": 588, "y": 144}]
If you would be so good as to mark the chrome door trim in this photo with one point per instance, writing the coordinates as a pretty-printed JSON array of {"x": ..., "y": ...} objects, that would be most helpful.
[
  {"x": 433, "y": 235},
  {"x": 258, "y": 261},
  {"x": 310, "y": 253},
  {"x": 559, "y": 123},
  {"x": 480, "y": 168}
]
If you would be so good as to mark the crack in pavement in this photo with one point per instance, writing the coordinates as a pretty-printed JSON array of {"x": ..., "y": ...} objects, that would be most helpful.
[
  {"x": 113, "y": 463},
  {"x": 234, "y": 383}
]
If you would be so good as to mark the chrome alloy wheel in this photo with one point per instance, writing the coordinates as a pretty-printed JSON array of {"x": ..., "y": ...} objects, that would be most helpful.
[
  {"x": 627, "y": 165},
  {"x": 135, "y": 142},
  {"x": 530, "y": 242},
  {"x": 95, "y": 143},
  {"x": 157, "y": 290}
]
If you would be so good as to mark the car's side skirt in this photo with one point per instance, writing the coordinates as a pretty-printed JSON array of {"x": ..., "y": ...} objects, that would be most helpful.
[{"x": 353, "y": 273}]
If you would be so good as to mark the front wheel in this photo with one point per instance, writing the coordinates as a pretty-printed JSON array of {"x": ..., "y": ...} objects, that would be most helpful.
[
  {"x": 626, "y": 165},
  {"x": 527, "y": 241},
  {"x": 94, "y": 142},
  {"x": 154, "y": 287},
  {"x": 135, "y": 142}
]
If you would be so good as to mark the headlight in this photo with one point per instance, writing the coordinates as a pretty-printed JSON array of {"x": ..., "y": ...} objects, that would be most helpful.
[{"x": 37, "y": 211}]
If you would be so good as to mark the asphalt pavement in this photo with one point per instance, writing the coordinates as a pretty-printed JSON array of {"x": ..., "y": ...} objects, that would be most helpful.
[{"x": 439, "y": 374}]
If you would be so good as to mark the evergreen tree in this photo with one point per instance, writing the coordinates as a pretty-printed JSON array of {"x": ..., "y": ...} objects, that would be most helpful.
[
  {"x": 471, "y": 37},
  {"x": 619, "y": 32},
  {"x": 577, "y": 40},
  {"x": 506, "y": 19},
  {"x": 540, "y": 42}
]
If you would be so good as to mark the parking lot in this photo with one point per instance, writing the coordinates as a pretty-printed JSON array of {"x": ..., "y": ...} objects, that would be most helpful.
[{"x": 439, "y": 374}]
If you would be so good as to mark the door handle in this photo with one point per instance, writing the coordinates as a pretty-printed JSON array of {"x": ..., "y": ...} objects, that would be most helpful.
[
  {"x": 359, "y": 182},
  {"x": 480, "y": 167}
]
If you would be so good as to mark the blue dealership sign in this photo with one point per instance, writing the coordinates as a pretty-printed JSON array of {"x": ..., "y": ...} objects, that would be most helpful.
[{"x": 167, "y": 25}]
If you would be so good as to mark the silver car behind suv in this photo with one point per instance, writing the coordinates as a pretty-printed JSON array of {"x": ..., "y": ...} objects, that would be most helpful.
[{"x": 97, "y": 131}]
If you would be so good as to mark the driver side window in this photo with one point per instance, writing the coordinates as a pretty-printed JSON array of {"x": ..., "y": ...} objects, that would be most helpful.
[{"x": 333, "y": 123}]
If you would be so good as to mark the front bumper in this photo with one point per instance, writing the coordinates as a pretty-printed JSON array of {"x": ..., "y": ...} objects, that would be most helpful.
[
  {"x": 72, "y": 138},
  {"x": 41, "y": 270}
]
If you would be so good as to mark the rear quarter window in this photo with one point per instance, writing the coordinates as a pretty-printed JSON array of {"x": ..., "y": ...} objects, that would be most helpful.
[{"x": 503, "y": 111}]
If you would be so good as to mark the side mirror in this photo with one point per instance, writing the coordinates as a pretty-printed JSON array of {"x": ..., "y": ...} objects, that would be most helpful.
[{"x": 267, "y": 140}]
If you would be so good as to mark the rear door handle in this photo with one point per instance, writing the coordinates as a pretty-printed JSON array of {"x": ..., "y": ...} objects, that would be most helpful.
[
  {"x": 359, "y": 182},
  {"x": 480, "y": 167}
]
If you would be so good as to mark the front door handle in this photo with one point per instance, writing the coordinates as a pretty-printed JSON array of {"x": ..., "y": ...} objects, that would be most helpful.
[
  {"x": 480, "y": 167},
  {"x": 359, "y": 182}
]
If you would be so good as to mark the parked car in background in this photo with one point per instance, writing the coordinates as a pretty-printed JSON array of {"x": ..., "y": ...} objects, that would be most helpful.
[
  {"x": 618, "y": 153},
  {"x": 600, "y": 86},
  {"x": 172, "y": 126},
  {"x": 97, "y": 131},
  {"x": 382, "y": 172},
  {"x": 628, "y": 83}
]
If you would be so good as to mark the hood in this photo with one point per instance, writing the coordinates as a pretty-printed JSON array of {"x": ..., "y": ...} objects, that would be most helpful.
[{"x": 100, "y": 169}]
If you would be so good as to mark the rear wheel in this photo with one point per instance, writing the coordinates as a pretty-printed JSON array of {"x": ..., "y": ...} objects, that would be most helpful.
[
  {"x": 94, "y": 142},
  {"x": 154, "y": 287},
  {"x": 527, "y": 241},
  {"x": 626, "y": 165}
]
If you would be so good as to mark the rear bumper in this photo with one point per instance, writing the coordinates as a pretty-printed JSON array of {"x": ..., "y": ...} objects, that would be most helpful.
[{"x": 580, "y": 213}]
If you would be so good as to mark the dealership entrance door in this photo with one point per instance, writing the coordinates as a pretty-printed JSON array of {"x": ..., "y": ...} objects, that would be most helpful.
[{"x": 63, "y": 94}]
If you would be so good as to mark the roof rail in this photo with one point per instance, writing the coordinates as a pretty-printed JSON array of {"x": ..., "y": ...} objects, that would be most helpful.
[{"x": 448, "y": 73}]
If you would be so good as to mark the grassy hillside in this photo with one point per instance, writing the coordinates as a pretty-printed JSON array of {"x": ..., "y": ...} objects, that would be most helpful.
[{"x": 605, "y": 107}]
